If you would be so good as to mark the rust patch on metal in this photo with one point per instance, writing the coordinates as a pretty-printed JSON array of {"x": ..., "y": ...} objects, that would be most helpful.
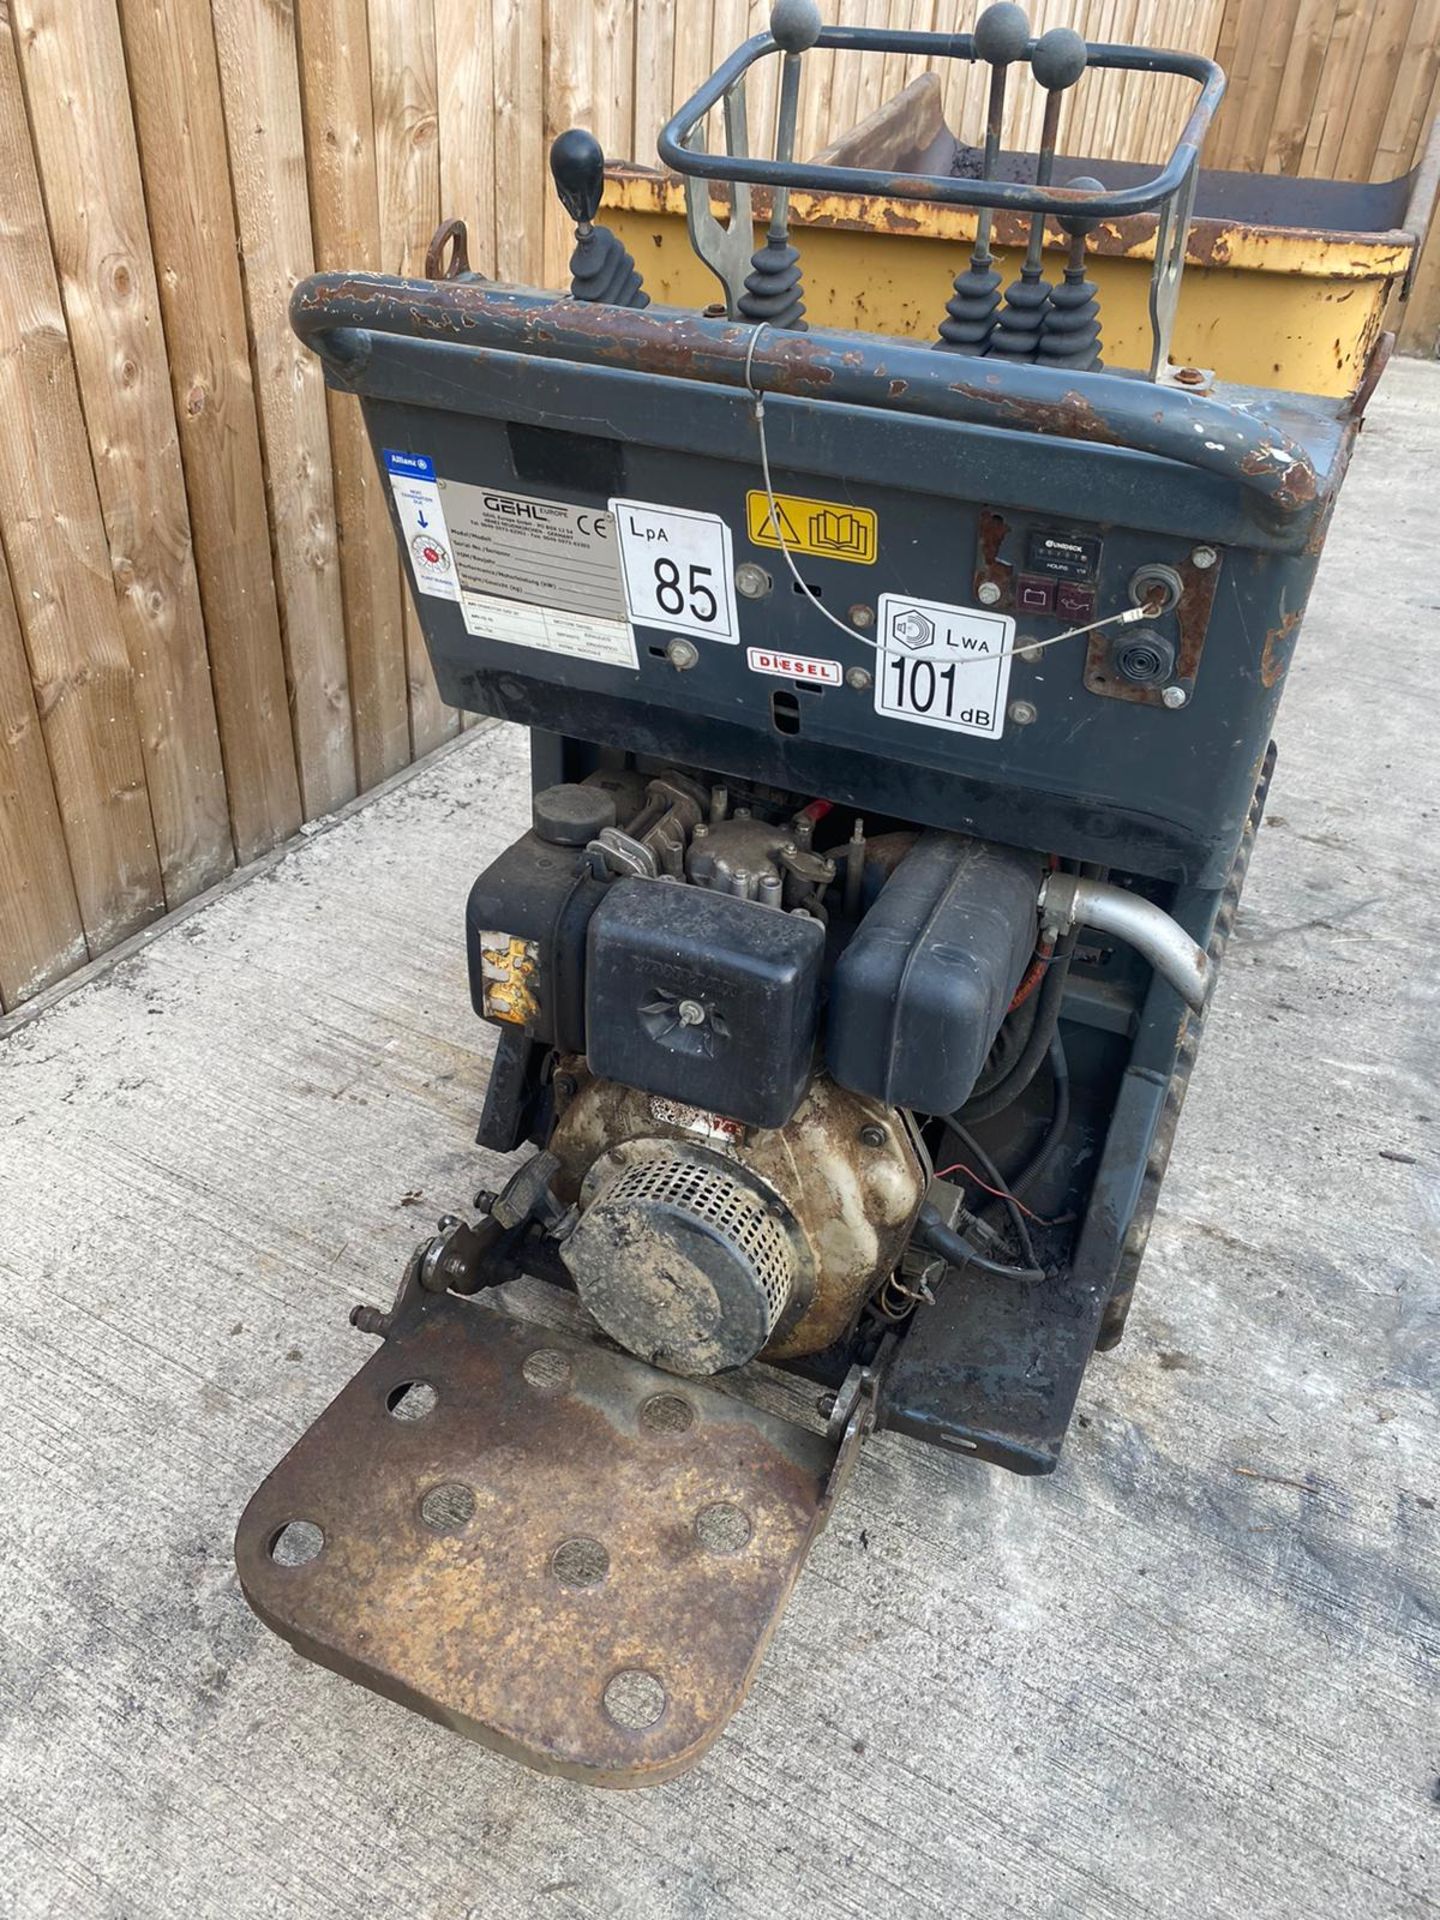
[
  {"x": 576, "y": 1549},
  {"x": 1189, "y": 619},
  {"x": 1279, "y": 645},
  {"x": 990, "y": 569}
]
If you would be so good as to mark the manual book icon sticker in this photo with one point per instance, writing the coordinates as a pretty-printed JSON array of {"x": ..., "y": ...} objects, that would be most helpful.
[{"x": 824, "y": 529}]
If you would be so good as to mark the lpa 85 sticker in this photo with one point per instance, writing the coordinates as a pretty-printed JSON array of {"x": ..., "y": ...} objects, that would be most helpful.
[{"x": 942, "y": 666}]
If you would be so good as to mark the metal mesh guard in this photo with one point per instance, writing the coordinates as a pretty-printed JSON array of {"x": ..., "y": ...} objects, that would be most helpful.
[{"x": 629, "y": 1264}]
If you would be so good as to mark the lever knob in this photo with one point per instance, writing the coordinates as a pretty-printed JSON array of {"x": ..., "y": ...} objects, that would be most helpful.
[
  {"x": 1059, "y": 59},
  {"x": 578, "y": 163},
  {"x": 795, "y": 25},
  {"x": 1076, "y": 224},
  {"x": 1002, "y": 33}
]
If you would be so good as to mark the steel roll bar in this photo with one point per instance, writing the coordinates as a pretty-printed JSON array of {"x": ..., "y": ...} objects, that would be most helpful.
[{"x": 334, "y": 312}]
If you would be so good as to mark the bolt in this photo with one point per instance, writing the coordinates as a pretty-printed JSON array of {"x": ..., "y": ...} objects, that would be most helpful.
[
  {"x": 1022, "y": 713},
  {"x": 857, "y": 678},
  {"x": 682, "y": 655},
  {"x": 370, "y": 1320},
  {"x": 752, "y": 580},
  {"x": 1203, "y": 557},
  {"x": 1175, "y": 697},
  {"x": 447, "y": 1223},
  {"x": 691, "y": 1013},
  {"x": 485, "y": 1200},
  {"x": 564, "y": 1085},
  {"x": 1028, "y": 654},
  {"x": 873, "y": 1136},
  {"x": 1190, "y": 376},
  {"x": 825, "y": 1405},
  {"x": 988, "y": 593},
  {"x": 861, "y": 615}
]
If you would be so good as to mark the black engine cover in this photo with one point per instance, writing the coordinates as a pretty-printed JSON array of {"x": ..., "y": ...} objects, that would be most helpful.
[{"x": 659, "y": 955}]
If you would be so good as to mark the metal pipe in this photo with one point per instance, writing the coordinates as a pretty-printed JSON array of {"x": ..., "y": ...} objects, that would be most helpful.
[
  {"x": 945, "y": 188},
  {"x": 1067, "y": 900},
  {"x": 335, "y": 312}
]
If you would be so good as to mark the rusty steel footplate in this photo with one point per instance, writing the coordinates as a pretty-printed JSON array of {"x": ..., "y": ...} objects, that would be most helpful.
[{"x": 539, "y": 1542}]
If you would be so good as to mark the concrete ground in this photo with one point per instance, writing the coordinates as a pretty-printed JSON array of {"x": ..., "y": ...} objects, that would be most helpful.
[{"x": 1193, "y": 1674}]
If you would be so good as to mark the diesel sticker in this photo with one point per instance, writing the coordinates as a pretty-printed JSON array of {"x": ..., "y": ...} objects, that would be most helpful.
[
  {"x": 538, "y": 573},
  {"x": 823, "y": 528},
  {"x": 417, "y": 501},
  {"x": 942, "y": 666},
  {"x": 793, "y": 666}
]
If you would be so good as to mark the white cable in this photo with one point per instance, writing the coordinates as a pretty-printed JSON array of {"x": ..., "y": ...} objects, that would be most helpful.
[{"x": 1125, "y": 619}]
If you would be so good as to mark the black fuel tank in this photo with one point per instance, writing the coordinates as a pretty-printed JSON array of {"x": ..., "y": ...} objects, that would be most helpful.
[{"x": 919, "y": 993}]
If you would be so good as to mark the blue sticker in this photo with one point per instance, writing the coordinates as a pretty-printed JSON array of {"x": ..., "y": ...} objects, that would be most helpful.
[{"x": 418, "y": 465}]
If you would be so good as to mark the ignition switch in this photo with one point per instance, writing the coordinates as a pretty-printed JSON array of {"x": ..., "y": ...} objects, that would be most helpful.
[{"x": 1156, "y": 587}]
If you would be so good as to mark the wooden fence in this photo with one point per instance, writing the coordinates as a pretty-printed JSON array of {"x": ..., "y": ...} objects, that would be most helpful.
[{"x": 204, "y": 638}]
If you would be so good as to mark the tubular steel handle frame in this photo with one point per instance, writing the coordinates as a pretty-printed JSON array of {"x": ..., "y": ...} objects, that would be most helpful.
[
  {"x": 946, "y": 189},
  {"x": 334, "y": 313},
  {"x": 1171, "y": 190}
]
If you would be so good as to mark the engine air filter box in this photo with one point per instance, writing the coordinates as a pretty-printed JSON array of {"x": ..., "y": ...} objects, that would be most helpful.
[
  {"x": 919, "y": 993},
  {"x": 704, "y": 998}
]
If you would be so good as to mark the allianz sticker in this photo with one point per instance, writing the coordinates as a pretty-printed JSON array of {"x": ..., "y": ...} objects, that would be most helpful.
[
  {"x": 943, "y": 666},
  {"x": 422, "y": 520},
  {"x": 794, "y": 666}
]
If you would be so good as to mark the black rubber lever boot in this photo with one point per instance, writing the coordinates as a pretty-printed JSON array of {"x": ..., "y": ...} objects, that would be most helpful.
[{"x": 600, "y": 268}]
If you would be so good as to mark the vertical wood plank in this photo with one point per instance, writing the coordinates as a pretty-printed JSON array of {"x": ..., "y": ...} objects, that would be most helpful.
[
  {"x": 569, "y": 102},
  {"x": 175, "y": 89},
  {"x": 404, "y": 90},
  {"x": 1420, "y": 326},
  {"x": 1332, "y": 95},
  {"x": 465, "y": 67},
  {"x": 73, "y": 68},
  {"x": 1289, "y": 115},
  {"x": 465, "y": 56},
  {"x": 54, "y": 539},
  {"x": 1375, "y": 81},
  {"x": 612, "y": 60},
  {"x": 1410, "y": 110},
  {"x": 520, "y": 158},
  {"x": 41, "y": 938},
  {"x": 260, "y": 84},
  {"x": 691, "y": 50},
  {"x": 334, "y": 44},
  {"x": 654, "y": 74}
]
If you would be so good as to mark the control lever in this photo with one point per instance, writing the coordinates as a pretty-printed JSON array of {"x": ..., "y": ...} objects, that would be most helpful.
[
  {"x": 1002, "y": 34},
  {"x": 772, "y": 290},
  {"x": 1070, "y": 328},
  {"x": 1058, "y": 61},
  {"x": 600, "y": 268}
]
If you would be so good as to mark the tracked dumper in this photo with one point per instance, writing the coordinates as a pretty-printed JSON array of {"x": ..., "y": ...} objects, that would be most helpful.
[{"x": 901, "y": 708}]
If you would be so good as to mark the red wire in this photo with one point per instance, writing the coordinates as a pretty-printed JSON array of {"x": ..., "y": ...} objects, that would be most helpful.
[
  {"x": 1034, "y": 973},
  {"x": 1000, "y": 1193}
]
